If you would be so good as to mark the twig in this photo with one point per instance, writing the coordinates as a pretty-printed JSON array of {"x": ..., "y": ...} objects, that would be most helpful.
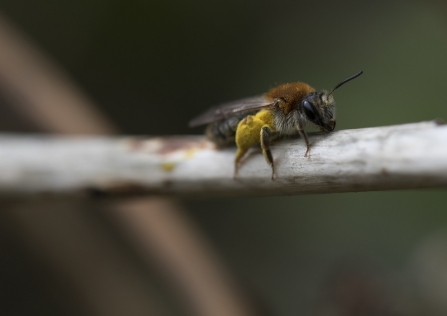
[
  {"x": 42, "y": 93},
  {"x": 380, "y": 158}
]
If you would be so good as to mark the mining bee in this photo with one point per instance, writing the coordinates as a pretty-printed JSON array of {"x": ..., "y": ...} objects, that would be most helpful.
[{"x": 282, "y": 111}]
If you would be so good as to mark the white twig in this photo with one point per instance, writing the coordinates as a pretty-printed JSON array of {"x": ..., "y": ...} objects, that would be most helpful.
[{"x": 380, "y": 158}]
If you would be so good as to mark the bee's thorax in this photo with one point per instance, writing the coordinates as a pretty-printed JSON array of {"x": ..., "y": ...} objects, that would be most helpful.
[{"x": 289, "y": 95}]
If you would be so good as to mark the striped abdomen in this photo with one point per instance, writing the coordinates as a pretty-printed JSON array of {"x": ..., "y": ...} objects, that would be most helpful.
[{"x": 223, "y": 132}]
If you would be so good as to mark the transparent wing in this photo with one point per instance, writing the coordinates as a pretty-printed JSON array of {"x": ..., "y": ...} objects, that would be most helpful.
[{"x": 227, "y": 110}]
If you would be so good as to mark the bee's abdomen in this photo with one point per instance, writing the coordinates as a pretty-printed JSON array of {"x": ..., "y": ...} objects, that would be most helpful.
[{"x": 223, "y": 132}]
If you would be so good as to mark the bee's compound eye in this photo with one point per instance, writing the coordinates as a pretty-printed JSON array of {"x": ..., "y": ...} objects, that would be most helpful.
[{"x": 309, "y": 110}]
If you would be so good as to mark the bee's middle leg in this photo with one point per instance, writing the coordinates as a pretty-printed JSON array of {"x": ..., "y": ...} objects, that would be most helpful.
[{"x": 265, "y": 145}]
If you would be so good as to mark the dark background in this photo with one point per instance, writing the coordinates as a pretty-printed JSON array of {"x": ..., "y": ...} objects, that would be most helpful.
[{"x": 152, "y": 66}]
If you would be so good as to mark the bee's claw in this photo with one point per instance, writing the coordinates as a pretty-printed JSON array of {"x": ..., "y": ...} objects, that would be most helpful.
[
  {"x": 273, "y": 172},
  {"x": 307, "y": 151}
]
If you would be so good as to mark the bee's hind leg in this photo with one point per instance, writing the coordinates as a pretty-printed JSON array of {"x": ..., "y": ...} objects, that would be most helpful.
[
  {"x": 250, "y": 131},
  {"x": 265, "y": 145},
  {"x": 243, "y": 142},
  {"x": 239, "y": 154}
]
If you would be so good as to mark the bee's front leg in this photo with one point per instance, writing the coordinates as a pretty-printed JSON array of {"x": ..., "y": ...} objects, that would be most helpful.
[
  {"x": 299, "y": 126},
  {"x": 306, "y": 140},
  {"x": 265, "y": 144}
]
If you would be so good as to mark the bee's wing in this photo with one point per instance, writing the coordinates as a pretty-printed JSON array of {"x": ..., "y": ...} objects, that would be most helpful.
[{"x": 231, "y": 109}]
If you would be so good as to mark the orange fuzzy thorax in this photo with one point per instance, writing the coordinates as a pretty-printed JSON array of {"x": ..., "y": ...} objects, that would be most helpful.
[{"x": 293, "y": 93}]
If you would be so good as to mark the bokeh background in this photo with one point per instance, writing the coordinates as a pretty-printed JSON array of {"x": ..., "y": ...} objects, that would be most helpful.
[{"x": 149, "y": 67}]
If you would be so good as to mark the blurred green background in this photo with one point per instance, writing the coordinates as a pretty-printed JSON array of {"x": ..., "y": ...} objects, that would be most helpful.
[{"x": 152, "y": 66}]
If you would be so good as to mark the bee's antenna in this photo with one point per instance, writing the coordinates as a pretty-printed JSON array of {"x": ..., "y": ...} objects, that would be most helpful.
[{"x": 344, "y": 81}]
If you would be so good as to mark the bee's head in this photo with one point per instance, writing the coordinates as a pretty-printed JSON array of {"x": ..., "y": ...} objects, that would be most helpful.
[{"x": 319, "y": 107}]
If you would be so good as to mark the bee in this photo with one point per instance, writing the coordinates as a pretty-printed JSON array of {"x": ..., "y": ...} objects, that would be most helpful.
[{"x": 282, "y": 111}]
